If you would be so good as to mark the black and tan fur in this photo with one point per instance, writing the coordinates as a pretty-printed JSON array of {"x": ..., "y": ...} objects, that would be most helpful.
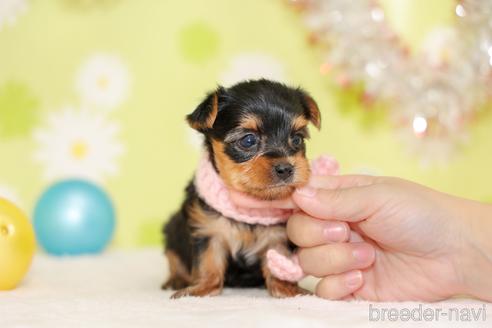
[{"x": 207, "y": 251}]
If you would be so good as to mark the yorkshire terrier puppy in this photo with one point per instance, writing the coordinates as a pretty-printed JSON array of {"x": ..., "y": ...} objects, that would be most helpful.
[{"x": 254, "y": 143}]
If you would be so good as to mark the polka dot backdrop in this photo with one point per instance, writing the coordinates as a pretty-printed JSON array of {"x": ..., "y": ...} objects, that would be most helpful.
[{"x": 99, "y": 89}]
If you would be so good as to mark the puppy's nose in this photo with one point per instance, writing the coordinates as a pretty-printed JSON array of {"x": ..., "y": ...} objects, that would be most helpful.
[{"x": 284, "y": 170}]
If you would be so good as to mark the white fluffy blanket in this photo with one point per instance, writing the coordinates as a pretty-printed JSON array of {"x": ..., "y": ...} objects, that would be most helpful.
[{"x": 122, "y": 289}]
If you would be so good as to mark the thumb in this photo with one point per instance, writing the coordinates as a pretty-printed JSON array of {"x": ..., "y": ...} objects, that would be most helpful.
[{"x": 344, "y": 204}]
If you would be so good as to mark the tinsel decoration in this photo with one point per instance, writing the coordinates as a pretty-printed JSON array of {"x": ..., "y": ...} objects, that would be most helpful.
[{"x": 432, "y": 96}]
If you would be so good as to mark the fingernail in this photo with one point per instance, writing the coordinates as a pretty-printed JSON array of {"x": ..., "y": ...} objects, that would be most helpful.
[
  {"x": 363, "y": 253},
  {"x": 306, "y": 191},
  {"x": 335, "y": 232},
  {"x": 353, "y": 279}
]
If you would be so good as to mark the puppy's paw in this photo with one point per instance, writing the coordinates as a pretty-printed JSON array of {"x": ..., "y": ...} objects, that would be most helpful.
[
  {"x": 175, "y": 283},
  {"x": 325, "y": 165},
  {"x": 284, "y": 268},
  {"x": 197, "y": 290},
  {"x": 283, "y": 289}
]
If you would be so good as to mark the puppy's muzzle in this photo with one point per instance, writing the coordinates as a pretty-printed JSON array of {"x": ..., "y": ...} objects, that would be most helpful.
[{"x": 284, "y": 171}]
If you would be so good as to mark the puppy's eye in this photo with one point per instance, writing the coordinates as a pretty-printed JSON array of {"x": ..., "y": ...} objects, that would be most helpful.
[
  {"x": 248, "y": 141},
  {"x": 297, "y": 140}
]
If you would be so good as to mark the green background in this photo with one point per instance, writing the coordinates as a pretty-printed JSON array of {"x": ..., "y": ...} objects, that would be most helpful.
[{"x": 174, "y": 52}]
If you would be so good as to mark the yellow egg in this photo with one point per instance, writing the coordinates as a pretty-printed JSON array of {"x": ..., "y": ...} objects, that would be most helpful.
[{"x": 17, "y": 245}]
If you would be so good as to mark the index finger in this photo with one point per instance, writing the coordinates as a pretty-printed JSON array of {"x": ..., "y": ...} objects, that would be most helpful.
[
  {"x": 343, "y": 204},
  {"x": 341, "y": 181}
]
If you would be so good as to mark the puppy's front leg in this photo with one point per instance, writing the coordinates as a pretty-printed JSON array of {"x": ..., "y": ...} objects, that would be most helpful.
[
  {"x": 276, "y": 287},
  {"x": 208, "y": 271}
]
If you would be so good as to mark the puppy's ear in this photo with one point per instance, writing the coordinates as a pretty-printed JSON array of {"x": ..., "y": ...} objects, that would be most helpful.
[
  {"x": 311, "y": 109},
  {"x": 203, "y": 117}
]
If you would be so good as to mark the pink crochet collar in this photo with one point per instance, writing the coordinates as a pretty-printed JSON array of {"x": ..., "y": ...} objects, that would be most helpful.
[{"x": 215, "y": 193}]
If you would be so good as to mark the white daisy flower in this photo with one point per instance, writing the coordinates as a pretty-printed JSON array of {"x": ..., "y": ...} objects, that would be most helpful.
[
  {"x": 103, "y": 81},
  {"x": 10, "y": 10},
  {"x": 253, "y": 66},
  {"x": 76, "y": 143},
  {"x": 8, "y": 193}
]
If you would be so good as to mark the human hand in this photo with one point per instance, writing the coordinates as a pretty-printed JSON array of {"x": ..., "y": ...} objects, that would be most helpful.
[{"x": 417, "y": 242}]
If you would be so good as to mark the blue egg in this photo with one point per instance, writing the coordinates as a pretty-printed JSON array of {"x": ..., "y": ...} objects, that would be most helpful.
[{"x": 74, "y": 217}]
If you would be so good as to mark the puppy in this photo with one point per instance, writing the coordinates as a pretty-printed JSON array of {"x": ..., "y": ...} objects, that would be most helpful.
[{"x": 254, "y": 143}]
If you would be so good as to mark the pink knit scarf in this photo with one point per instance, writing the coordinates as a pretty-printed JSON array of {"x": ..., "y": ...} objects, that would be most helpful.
[{"x": 215, "y": 193}]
